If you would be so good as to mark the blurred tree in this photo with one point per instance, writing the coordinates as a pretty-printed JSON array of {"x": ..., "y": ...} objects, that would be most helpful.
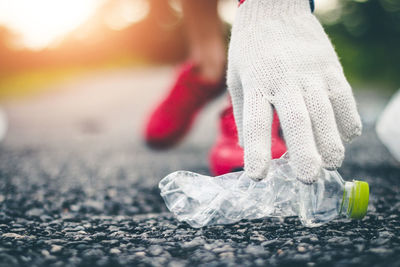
[{"x": 367, "y": 38}]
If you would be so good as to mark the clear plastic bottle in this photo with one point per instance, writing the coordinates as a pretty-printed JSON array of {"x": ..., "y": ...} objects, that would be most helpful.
[{"x": 202, "y": 200}]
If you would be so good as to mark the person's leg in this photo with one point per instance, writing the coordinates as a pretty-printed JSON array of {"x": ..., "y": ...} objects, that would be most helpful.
[
  {"x": 206, "y": 38},
  {"x": 199, "y": 81}
]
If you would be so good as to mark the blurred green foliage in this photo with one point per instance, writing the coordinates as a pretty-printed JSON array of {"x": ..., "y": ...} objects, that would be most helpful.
[{"x": 366, "y": 34}]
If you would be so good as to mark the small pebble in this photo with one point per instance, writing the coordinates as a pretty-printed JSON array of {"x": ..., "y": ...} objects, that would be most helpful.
[
  {"x": 115, "y": 251},
  {"x": 55, "y": 248},
  {"x": 301, "y": 249}
]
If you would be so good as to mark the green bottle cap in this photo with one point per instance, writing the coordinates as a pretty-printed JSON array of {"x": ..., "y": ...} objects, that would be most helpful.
[{"x": 358, "y": 202}]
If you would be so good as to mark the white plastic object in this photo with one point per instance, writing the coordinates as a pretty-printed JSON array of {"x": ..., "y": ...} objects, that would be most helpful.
[{"x": 388, "y": 127}]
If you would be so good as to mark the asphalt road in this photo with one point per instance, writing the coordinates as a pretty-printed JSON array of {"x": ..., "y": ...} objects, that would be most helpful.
[{"x": 79, "y": 188}]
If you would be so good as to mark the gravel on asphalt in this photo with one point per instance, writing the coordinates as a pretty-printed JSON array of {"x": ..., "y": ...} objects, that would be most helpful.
[{"x": 91, "y": 200}]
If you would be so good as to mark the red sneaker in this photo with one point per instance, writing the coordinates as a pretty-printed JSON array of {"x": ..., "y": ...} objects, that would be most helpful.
[
  {"x": 173, "y": 117},
  {"x": 226, "y": 154}
]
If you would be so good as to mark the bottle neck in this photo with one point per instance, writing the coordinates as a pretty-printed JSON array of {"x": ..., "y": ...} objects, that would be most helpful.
[{"x": 347, "y": 201}]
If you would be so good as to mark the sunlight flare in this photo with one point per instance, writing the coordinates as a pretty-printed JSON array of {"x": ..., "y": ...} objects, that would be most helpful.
[{"x": 41, "y": 22}]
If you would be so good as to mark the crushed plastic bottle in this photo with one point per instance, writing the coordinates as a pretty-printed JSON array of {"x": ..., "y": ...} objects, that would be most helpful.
[{"x": 201, "y": 200}]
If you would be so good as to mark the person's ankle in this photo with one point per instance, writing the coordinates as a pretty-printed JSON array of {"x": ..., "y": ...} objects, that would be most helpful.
[
  {"x": 213, "y": 72},
  {"x": 210, "y": 70}
]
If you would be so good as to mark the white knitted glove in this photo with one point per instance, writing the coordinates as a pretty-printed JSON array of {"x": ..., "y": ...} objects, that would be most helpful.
[{"x": 280, "y": 56}]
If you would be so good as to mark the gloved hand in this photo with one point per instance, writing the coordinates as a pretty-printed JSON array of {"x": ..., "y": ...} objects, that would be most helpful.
[{"x": 280, "y": 57}]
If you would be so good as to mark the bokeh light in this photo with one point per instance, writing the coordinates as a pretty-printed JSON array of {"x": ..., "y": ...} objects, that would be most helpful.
[
  {"x": 41, "y": 22},
  {"x": 39, "y": 36},
  {"x": 227, "y": 10},
  {"x": 126, "y": 12}
]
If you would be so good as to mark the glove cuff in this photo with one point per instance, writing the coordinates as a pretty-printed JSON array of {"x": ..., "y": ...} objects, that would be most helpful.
[
  {"x": 250, "y": 10},
  {"x": 312, "y": 5}
]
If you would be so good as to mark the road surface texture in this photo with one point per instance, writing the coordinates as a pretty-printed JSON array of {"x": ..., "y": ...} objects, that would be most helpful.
[{"x": 79, "y": 188}]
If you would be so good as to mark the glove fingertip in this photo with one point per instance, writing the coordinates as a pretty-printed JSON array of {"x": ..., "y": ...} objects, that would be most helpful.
[
  {"x": 309, "y": 178},
  {"x": 257, "y": 172},
  {"x": 308, "y": 169},
  {"x": 353, "y": 131},
  {"x": 333, "y": 158}
]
